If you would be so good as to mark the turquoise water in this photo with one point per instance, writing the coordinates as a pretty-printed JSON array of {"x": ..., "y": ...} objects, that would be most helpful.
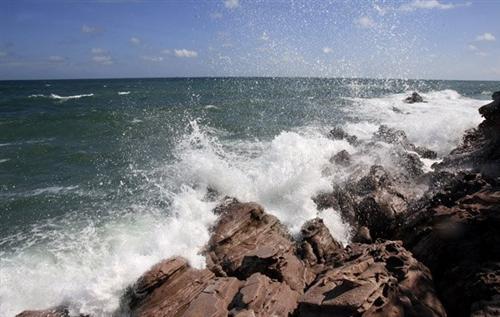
[{"x": 99, "y": 179}]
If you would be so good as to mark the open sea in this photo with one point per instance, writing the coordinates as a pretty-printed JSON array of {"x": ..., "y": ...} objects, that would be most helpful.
[{"x": 100, "y": 179}]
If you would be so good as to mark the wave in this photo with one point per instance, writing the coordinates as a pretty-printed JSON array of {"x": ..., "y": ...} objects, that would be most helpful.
[
  {"x": 211, "y": 107},
  {"x": 58, "y": 97},
  {"x": 4, "y": 160},
  {"x": 121, "y": 93},
  {"x": 89, "y": 262}
]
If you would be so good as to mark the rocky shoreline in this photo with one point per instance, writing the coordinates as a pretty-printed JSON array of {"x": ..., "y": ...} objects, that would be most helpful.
[{"x": 414, "y": 252}]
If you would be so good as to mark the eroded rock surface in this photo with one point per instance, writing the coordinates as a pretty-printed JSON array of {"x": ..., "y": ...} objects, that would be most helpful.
[{"x": 381, "y": 279}]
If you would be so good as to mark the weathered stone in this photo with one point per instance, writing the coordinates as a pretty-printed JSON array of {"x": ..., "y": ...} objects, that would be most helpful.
[
  {"x": 246, "y": 240},
  {"x": 381, "y": 279},
  {"x": 260, "y": 296},
  {"x": 52, "y": 312},
  {"x": 415, "y": 97}
]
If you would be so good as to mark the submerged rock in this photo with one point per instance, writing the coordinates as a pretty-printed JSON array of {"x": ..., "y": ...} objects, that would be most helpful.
[
  {"x": 52, "y": 312},
  {"x": 413, "y": 98},
  {"x": 338, "y": 133}
]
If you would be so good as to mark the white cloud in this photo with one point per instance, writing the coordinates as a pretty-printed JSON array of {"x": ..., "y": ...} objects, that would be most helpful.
[
  {"x": 135, "y": 40},
  {"x": 487, "y": 37},
  {"x": 327, "y": 50},
  {"x": 185, "y": 53},
  {"x": 431, "y": 4},
  {"x": 152, "y": 58},
  {"x": 232, "y": 4},
  {"x": 365, "y": 22},
  {"x": 471, "y": 47},
  {"x": 482, "y": 54},
  {"x": 264, "y": 36},
  {"x": 97, "y": 50},
  {"x": 89, "y": 29},
  {"x": 103, "y": 59},
  {"x": 216, "y": 15},
  {"x": 56, "y": 59}
]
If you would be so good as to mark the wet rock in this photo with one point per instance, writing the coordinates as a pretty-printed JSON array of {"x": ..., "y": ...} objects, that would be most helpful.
[
  {"x": 168, "y": 288},
  {"x": 262, "y": 296},
  {"x": 398, "y": 137},
  {"x": 480, "y": 148},
  {"x": 457, "y": 237},
  {"x": 318, "y": 247},
  {"x": 415, "y": 97},
  {"x": 425, "y": 152},
  {"x": 338, "y": 133},
  {"x": 342, "y": 158},
  {"x": 246, "y": 241},
  {"x": 381, "y": 279},
  {"x": 52, "y": 312}
]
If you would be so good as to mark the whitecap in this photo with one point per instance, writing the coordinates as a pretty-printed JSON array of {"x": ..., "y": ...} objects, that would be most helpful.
[{"x": 121, "y": 93}]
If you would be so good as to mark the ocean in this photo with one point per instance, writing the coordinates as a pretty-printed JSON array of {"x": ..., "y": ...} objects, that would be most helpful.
[{"x": 100, "y": 179}]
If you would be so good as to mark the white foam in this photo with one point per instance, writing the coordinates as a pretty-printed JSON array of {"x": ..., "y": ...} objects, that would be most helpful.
[
  {"x": 63, "y": 98},
  {"x": 4, "y": 160},
  {"x": 122, "y": 93},
  {"x": 211, "y": 107},
  {"x": 438, "y": 124}
]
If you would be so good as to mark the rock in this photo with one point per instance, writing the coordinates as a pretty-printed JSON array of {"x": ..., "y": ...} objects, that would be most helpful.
[
  {"x": 168, "y": 288},
  {"x": 318, "y": 247},
  {"x": 338, "y": 133},
  {"x": 214, "y": 300},
  {"x": 246, "y": 241},
  {"x": 52, "y": 312},
  {"x": 480, "y": 148},
  {"x": 457, "y": 237},
  {"x": 381, "y": 279},
  {"x": 342, "y": 158},
  {"x": 415, "y": 97},
  {"x": 425, "y": 152},
  {"x": 362, "y": 235},
  {"x": 261, "y": 296}
]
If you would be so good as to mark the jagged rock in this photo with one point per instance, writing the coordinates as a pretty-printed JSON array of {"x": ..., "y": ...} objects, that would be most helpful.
[
  {"x": 318, "y": 247},
  {"x": 415, "y": 97},
  {"x": 52, "y": 312},
  {"x": 381, "y": 279},
  {"x": 168, "y": 288},
  {"x": 457, "y": 237},
  {"x": 338, "y": 133},
  {"x": 342, "y": 158},
  {"x": 260, "y": 296},
  {"x": 374, "y": 201},
  {"x": 480, "y": 148},
  {"x": 246, "y": 240}
]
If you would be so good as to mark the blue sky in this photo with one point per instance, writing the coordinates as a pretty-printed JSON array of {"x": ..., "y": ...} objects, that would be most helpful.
[{"x": 152, "y": 38}]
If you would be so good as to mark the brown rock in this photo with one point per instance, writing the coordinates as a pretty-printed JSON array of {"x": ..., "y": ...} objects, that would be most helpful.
[
  {"x": 381, "y": 279},
  {"x": 214, "y": 300},
  {"x": 457, "y": 237},
  {"x": 246, "y": 240},
  {"x": 168, "y": 288},
  {"x": 317, "y": 245},
  {"x": 260, "y": 296}
]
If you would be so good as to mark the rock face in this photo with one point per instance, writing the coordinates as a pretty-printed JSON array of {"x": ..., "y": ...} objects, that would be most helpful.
[
  {"x": 381, "y": 279},
  {"x": 480, "y": 148},
  {"x": 415, "y": 97}
]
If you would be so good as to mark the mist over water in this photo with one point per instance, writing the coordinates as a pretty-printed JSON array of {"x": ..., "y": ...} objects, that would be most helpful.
[{"x": 97, "y": 188}]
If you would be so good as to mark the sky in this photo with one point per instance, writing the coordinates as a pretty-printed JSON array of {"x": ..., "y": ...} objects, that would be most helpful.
[{"x": 428, "y": 39}]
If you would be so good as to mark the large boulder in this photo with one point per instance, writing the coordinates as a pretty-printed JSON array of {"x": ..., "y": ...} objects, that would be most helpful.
[
  {"x": 381, "y": 279},
  {"x": 52, "y": 312}
]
